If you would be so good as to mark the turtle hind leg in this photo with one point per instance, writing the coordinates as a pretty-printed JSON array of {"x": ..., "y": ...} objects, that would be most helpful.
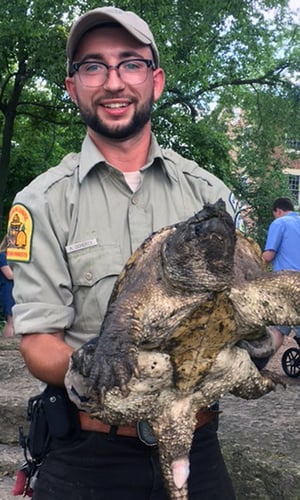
[
  {"x": 274, "y": 377},
  {"x": 254, "y": 383}
]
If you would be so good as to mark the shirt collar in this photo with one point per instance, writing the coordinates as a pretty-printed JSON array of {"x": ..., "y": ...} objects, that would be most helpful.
[{"x": 90, "y": 156}]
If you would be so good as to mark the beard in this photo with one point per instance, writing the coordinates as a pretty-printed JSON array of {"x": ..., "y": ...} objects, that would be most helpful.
[{"x": 121, "y": 132}]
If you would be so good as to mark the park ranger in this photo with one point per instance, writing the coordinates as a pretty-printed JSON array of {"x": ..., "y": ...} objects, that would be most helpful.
[{"x": 80, "y": 221}]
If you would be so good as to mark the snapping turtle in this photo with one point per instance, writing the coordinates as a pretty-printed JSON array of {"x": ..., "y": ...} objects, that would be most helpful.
[{"x": 168, "y": 345}]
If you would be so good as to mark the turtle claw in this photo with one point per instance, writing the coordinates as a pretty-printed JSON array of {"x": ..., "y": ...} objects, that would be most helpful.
[
  {"x": 107, "y": 371},
  {"x": 273, "y": 377},
  {"x": 124, "y": 390},
  {"x": 102, "y": 395}
]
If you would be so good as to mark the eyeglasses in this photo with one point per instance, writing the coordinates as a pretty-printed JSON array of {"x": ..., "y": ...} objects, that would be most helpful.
[{"x": 131, "y": 71}]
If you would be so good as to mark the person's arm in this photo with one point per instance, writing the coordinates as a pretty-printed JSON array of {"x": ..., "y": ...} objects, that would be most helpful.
[
  {"x": 7, "y": 272},
  {"x": 268, "y": 255},
  {"x": 43, "y": 296},
  {"x": 274, "y": 240},
  {"x": 46, "y": 356}
]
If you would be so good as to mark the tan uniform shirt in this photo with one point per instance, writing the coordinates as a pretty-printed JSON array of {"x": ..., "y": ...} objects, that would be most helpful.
[{"x": 83, "y": 222}]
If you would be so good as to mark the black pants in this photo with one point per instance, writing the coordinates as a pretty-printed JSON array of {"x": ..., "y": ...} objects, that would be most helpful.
[{"x": 99, "y": 466}]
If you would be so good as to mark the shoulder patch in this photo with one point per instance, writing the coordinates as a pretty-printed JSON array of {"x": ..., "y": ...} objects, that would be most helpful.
[
  {"x": 19, "y": 234},
  {"x": 233, "y": 202}
]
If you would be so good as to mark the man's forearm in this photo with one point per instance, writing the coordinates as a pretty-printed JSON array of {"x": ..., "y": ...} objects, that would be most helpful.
[{"x": 46, "y": 356}]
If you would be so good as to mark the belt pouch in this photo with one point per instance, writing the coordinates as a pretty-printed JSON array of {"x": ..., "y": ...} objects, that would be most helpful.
[{"x": 61, "y": 414}]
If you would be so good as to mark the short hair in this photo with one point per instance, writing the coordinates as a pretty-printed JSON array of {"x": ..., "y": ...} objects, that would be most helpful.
[{"x": 284, "y": 204}]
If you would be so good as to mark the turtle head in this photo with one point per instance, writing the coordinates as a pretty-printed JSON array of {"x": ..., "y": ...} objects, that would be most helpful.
[{"x": 198, "y": 255}]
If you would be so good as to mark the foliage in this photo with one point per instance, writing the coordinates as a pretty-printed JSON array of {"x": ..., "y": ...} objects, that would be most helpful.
[
  {"x": 33, "y": 103},
  {"x": 230, "y": 101}
]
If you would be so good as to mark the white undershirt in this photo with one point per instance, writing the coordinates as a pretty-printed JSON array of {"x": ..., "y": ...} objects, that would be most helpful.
[{"x": 133, "y": 179}]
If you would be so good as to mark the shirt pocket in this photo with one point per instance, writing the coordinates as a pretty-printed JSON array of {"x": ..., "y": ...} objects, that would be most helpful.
[
  {"x": 94, "y": 271},
  {"x": 92, "y": 264}
]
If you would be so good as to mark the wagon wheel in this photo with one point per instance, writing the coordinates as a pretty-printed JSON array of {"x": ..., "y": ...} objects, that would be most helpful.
[{"x": 290, "y": 362}]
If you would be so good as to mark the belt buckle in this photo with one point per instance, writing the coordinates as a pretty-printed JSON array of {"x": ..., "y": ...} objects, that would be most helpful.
[{"x": 145, "y": 433}]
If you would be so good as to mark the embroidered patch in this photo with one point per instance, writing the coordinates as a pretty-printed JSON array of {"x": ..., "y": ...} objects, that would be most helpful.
[
  {"x": 233, "y": 202},
  {"x": 20, "y": 228},
  {"x": 237, "y": 207}
]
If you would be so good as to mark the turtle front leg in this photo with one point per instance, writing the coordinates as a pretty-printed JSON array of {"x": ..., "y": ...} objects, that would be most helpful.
[
  {"x": 115, "y": 356},
  {"x": 113, "y": 364},
  {"x": 271, "y": 299}
]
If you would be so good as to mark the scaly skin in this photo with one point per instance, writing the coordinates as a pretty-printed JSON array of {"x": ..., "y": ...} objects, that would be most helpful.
[{"x": 168, "y": 343}]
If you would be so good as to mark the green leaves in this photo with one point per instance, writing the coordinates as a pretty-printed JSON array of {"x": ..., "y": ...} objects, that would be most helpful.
[{"x": 231, "y": 97}]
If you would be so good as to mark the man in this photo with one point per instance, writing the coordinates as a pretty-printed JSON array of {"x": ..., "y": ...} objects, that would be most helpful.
[
  {"x": 282, "y": 249},
  {"x": 82, "y": 220}
]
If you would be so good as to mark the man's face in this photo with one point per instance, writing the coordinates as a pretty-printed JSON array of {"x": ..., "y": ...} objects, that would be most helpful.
[{"x": 115, "y": 109}]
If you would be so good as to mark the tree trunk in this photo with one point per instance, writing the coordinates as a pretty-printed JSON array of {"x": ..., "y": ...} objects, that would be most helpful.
[{"x": 10, "y": 113}]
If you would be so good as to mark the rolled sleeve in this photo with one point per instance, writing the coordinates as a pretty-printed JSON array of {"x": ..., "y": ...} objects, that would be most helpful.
[{"x": 37, "y": 317}]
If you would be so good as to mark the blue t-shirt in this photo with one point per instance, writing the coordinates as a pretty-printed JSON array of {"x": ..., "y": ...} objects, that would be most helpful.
[{"x": 284, "y": 239}]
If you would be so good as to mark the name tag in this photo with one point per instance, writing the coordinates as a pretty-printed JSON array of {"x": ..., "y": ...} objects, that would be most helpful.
[{"x": 81, "y": 245}]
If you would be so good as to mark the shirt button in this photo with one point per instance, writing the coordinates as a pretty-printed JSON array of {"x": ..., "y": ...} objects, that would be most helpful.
[
  {"x": 88, "y": 276},
  {"x": 134, "y": 201}
]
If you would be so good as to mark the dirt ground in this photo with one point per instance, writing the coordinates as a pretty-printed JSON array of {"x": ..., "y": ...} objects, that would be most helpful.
[{"x": 260, "y": 439}]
